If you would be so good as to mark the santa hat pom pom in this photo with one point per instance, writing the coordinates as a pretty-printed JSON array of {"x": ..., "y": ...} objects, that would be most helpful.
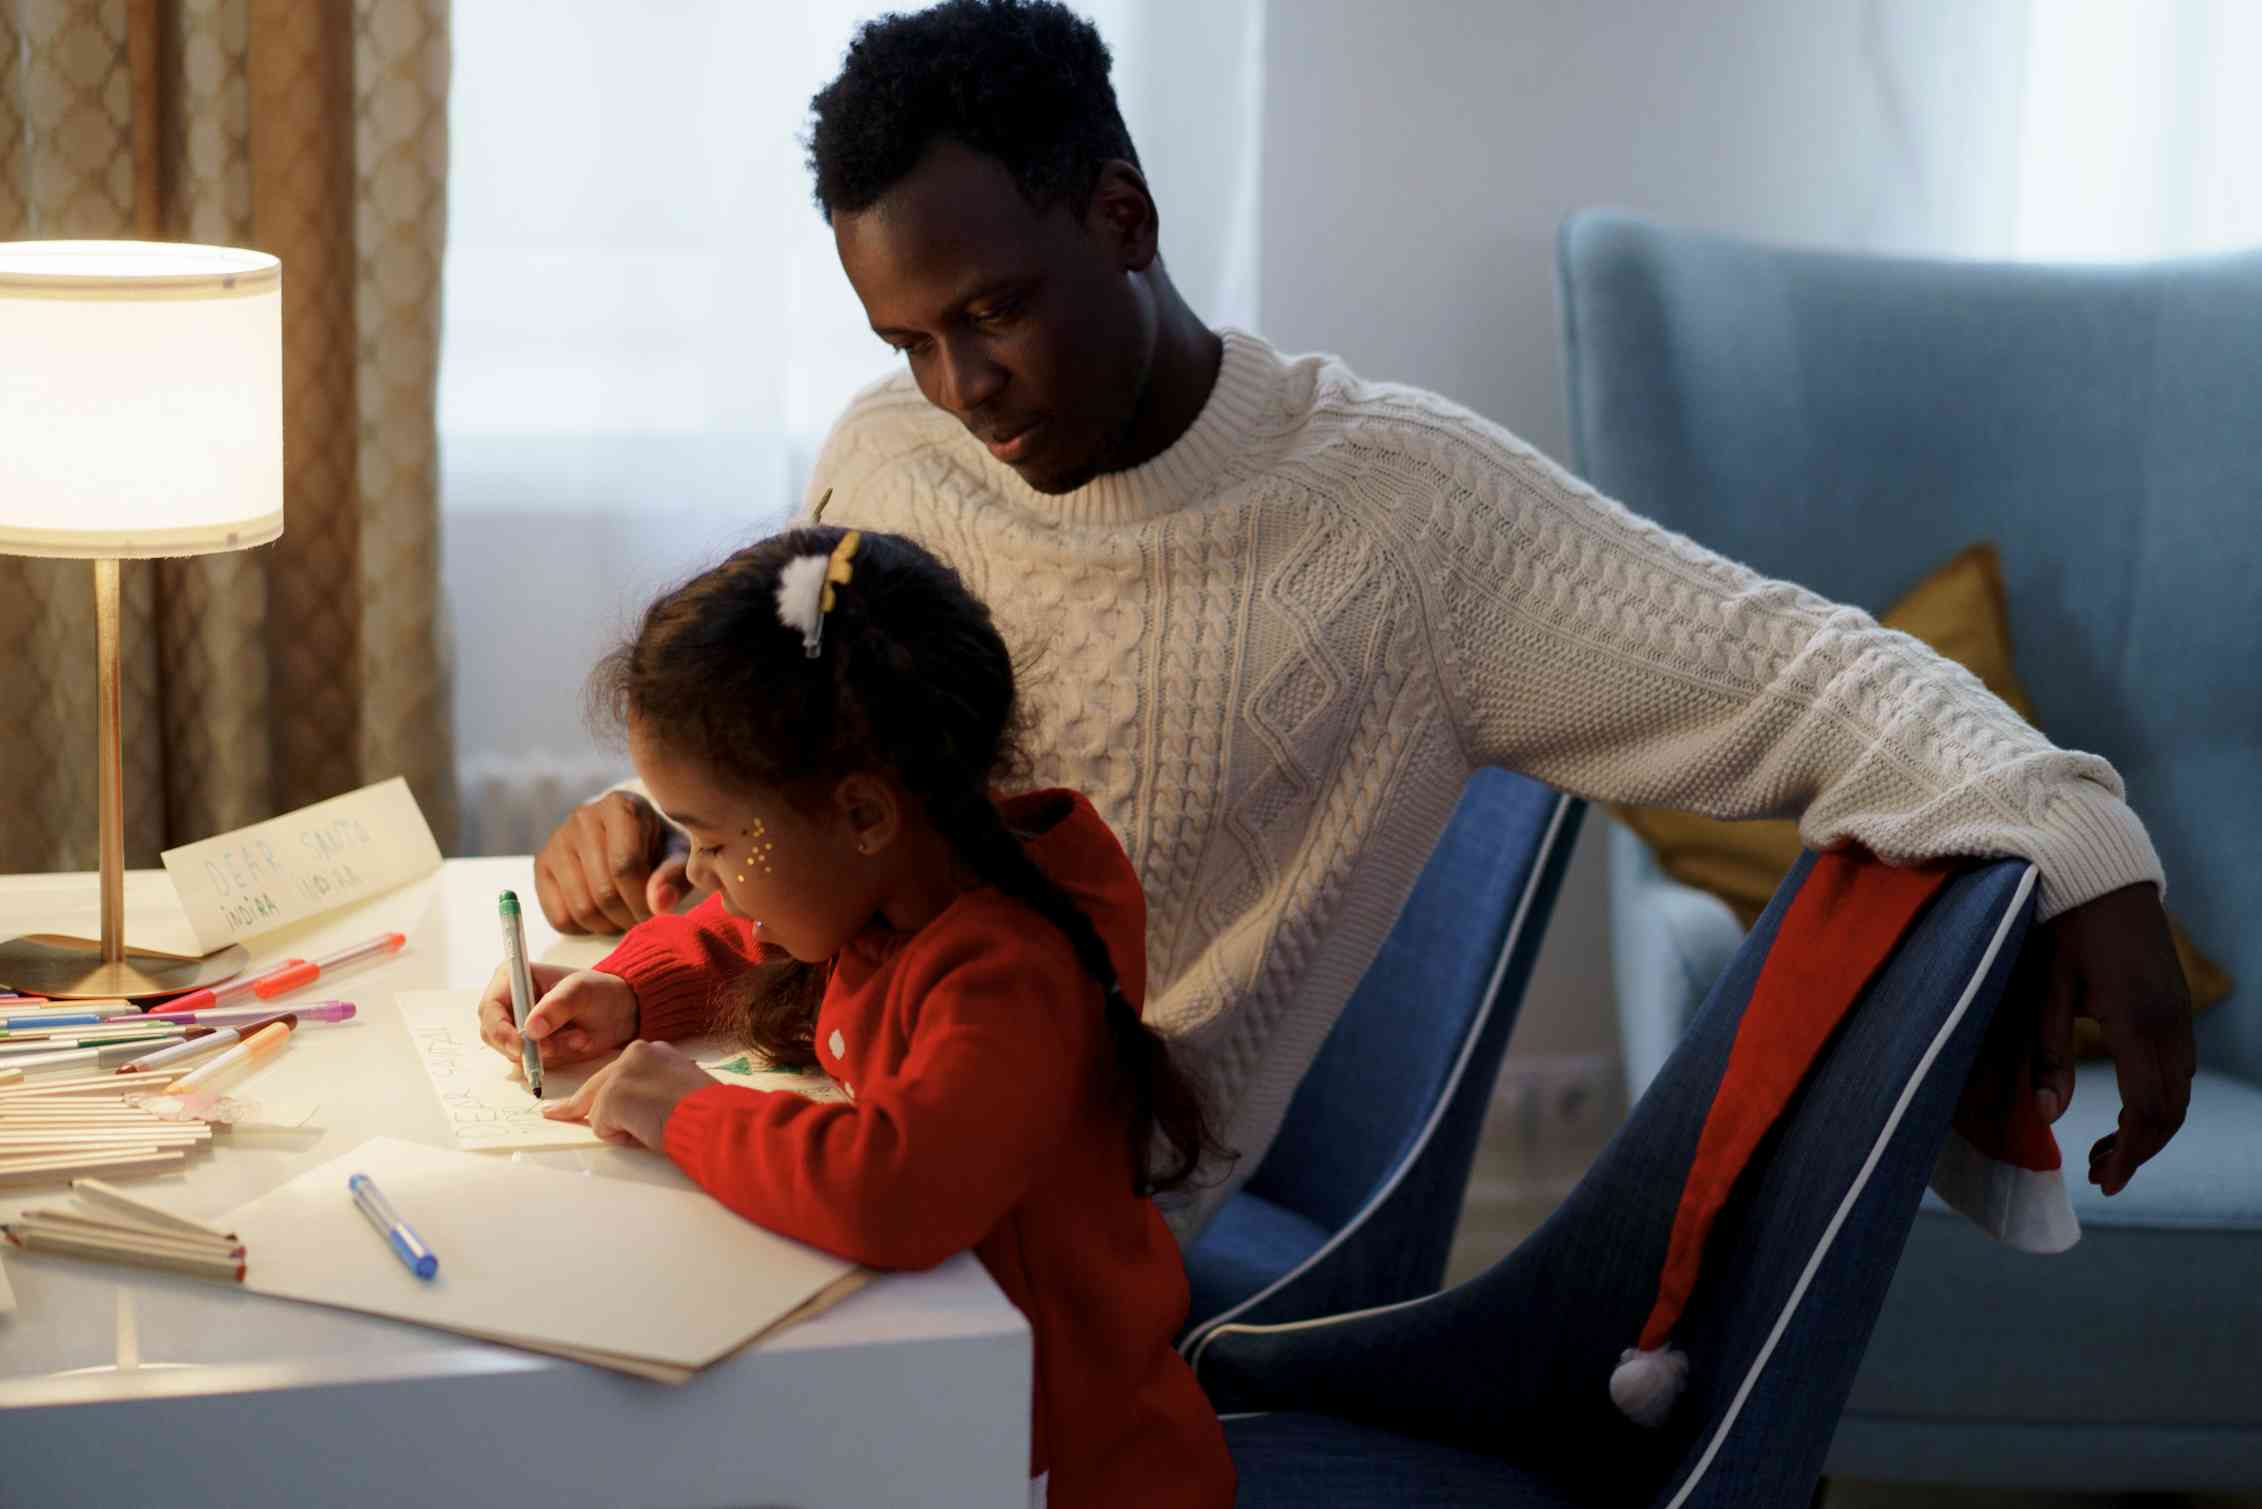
[{"x": 1645, "y": 1385}]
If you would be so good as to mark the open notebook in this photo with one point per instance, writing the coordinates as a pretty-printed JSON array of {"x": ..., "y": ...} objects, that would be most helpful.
[{"x": 656, "y": 1282}]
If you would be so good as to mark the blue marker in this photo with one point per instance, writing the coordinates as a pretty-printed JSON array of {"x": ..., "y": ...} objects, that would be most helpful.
[
  {"x": 406, "y": 1244},
  {"x": 53, "y": 1019}
]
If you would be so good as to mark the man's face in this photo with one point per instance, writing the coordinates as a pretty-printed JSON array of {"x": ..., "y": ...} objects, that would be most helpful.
[{"x": 1027, "y": 327}]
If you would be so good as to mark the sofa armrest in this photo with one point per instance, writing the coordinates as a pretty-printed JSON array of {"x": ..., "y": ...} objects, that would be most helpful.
[{"x": 1668, "y": 944}]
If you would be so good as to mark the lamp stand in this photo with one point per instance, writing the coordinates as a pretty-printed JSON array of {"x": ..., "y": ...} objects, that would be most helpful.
[{"x": 66, "y": 968}]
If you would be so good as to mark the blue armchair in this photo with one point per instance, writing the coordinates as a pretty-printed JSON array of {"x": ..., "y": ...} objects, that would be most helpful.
[
  {"x": 1359, "y": 1193},
  {"x": 1849, "y": 423}
]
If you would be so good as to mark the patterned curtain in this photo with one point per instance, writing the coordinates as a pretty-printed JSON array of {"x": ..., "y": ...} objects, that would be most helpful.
[{"x": 254, "y": 681}]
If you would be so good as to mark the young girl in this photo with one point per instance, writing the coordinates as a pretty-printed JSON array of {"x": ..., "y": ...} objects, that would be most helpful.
[{"x": 825, "y": 714}]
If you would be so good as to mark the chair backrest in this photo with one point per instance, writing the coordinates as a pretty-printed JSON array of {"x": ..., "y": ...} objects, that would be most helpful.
[
  {"x": 1516, "y": 1362},
  {"x": 1401, "y": 1083},
  {"x": 1851, "y": 422}
]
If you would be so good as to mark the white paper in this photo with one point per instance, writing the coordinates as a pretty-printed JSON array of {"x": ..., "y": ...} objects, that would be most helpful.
[
  {"x": 527, "y": 1253},
  {"x": 302, "y": 864},
  {"x": 483, "y": 1096}
]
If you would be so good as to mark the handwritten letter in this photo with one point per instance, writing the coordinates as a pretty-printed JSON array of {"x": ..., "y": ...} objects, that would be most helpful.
[
  {"x": 484, "y": 1097},
  {"x": 302, "y": 864}
]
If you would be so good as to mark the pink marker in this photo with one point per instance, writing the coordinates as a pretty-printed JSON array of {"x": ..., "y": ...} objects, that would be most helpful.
[
  {"x": 287, "y": 976},
  {"x": 230, "y": 1016}
]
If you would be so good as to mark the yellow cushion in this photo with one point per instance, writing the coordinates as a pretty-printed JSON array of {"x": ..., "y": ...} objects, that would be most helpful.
[{"x": 1961, "y": 611}]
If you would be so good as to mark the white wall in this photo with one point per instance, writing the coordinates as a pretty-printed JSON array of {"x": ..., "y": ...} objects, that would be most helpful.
[{"x": 1417, "y": 159}]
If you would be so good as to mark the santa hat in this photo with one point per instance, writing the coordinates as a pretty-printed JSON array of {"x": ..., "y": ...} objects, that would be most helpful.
[{"x": 2000, "y": 1166}]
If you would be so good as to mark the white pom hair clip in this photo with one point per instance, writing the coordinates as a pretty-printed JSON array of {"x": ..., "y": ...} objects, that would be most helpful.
[{"x": 805, "y": 591}]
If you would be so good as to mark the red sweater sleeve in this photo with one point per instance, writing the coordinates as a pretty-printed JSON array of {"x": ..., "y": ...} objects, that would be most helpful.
[
  {"x": 929, "y": 1158},
  {"x": 674, "y": 965}
]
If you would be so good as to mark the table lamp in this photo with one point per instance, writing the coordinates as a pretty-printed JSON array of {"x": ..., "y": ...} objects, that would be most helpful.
[{"x": 141, "y": 415}]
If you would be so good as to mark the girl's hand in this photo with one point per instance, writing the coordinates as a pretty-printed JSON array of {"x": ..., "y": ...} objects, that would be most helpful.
[
  {"x": 578, "y": 1014},
  {"x": 631, "y": 1098}
]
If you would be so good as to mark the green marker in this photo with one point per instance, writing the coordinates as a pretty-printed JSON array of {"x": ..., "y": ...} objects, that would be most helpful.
[{"x": 522, "y": 989}]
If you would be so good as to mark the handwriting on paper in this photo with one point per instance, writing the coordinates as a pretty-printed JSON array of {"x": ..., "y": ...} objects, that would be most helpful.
[
  {"x": 483, "y": 1096},
  {"x": 302, "y": 864}
]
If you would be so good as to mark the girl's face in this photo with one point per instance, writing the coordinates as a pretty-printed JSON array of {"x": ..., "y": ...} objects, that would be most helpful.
[{"x": 807, "y": 881}]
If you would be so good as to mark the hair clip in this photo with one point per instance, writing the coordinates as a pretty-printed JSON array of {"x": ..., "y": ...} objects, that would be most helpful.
[{"x": 805, "y": 590}]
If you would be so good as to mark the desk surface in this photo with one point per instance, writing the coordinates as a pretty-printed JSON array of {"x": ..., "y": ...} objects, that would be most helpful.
[{"x": 914, "y": 1390}]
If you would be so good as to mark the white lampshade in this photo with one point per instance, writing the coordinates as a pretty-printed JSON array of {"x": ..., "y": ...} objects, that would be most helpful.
[{"x": 141, "y": 399}]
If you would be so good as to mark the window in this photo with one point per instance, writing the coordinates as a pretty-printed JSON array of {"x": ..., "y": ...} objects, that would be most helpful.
[{"x": 646, "y": 332}]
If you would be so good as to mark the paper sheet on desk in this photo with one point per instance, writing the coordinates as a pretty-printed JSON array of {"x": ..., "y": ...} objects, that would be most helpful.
[
  {"x": 533, "y": 1257},
  {"x": 483, "y": 1096}
]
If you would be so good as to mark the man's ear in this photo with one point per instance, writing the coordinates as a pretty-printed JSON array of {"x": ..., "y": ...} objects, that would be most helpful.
[
  {"x": 1123, "y": 210},
  {"x": 871, "y": 811}
]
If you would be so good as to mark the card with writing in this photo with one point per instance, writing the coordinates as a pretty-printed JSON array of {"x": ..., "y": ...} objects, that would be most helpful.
[{"x": 302, "y": 864}]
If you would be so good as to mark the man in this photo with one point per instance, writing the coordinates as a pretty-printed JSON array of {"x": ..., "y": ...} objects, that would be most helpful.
[{"x": 1283, "y": 612}]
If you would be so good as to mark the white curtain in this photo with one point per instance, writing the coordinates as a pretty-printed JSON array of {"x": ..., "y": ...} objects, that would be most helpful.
[
  {"x": 646, "y": 331},
  {"x": 2142, "y": 129}
]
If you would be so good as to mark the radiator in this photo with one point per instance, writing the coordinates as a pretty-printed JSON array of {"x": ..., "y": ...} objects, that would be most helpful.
[{"x": 509, "y": 803}]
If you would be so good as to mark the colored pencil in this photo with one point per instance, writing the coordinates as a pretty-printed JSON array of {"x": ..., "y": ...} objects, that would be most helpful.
[
  {"x": 93, "y": 1084},
  {"x": 206, "y": 1078},
  {"x": 36, "y": 1239},
  {"x": 110, "y": 1197},
  {"x": 63, "y": 1169},
  {"x": 94, "y": 1226}
]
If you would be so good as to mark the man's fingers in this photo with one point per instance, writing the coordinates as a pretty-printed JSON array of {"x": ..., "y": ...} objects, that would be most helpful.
[
  {"x": 580, "y": 914},
  {"x": 628, "y": 852},
  {"x": 2153, "y": 1105},
  {"x": 668, "y": 884},
  {"x": 2060, "y": 1003},
  {"x": 610, "y": 913},
  {"x": 550, "y": 894}
]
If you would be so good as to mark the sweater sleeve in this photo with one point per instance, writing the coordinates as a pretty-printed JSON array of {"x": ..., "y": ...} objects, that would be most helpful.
[
  {"x": 926, "y": 1159},
  {"x": 674, "y": 964},
  {"x": 1614, "y": 659}
]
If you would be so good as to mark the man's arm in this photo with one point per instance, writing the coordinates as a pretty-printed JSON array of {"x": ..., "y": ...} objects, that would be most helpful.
[
  {"x": 1603, "y": 654},
  {"x": 1607, "y": 656}
]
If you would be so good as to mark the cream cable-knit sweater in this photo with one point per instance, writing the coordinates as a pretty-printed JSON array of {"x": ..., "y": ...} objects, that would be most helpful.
[{"x": 1273, "y": 654}]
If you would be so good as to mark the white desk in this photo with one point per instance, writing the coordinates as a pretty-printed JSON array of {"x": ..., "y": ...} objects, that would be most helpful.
[{"x": 124, "y": 1387}]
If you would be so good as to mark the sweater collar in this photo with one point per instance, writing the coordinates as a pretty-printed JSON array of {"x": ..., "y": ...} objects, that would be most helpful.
[{"x": 1216, "y": 450}]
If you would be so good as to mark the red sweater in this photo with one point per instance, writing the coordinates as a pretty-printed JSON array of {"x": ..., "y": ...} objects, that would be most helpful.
[{"x": 987, "y": 1111}]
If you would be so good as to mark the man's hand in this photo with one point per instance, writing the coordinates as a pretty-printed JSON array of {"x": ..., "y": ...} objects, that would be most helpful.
[
  {"x": 631, "y": 1098},
  {"x": 578, "y": 1014},
  {"x": 2112, "y": 960},
  {"x": 608, "y": 867}
]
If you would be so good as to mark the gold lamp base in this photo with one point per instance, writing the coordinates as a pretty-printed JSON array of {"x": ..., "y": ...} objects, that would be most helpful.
[{"x": 64, "y": 968}]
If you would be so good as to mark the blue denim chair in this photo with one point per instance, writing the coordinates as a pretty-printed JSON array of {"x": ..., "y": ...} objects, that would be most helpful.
[
  {"x": 1849, "y": 423},
  {"x": 1357, "y": 1198},
  {"x": 1496, "y": 1392}
]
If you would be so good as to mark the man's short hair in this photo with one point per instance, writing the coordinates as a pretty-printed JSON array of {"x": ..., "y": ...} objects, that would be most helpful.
[{"x": 1021, "y": 81}]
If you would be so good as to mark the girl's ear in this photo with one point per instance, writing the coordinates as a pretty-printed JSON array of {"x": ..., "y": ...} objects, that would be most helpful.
[{"x": 871, "y": 811}]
